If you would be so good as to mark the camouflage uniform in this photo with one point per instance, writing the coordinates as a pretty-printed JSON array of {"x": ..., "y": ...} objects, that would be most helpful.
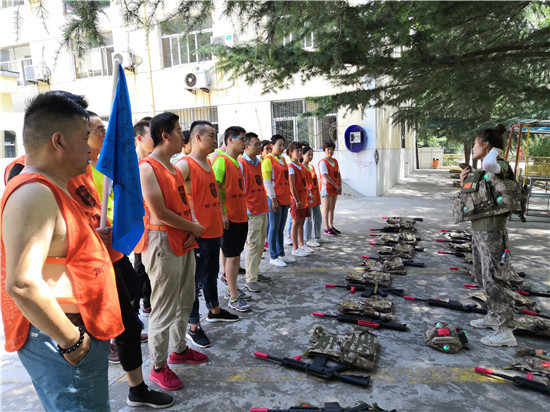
[{"x": 487, "y": 249}]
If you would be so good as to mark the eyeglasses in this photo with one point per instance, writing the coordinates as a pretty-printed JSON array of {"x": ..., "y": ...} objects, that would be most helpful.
[{"x": 100, "y": 129}]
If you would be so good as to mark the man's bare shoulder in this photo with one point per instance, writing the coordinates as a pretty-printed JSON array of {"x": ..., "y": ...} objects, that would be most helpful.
[
  {"x": 32, "y": 204},
  {"x": 183, "y": 166}
]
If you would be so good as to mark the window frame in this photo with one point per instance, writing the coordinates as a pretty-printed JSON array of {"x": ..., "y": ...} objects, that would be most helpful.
[
  {"x": 17, "y": 65},
  {"x": 311, "y": 122},
  {"x": 190, "y": 51},
  {"x": 106, "y": 55}
]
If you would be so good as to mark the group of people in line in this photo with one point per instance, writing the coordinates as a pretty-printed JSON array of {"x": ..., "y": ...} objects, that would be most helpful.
[{"x": 66, "y": 291}]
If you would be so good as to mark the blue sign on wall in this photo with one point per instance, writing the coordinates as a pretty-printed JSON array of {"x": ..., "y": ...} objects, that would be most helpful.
[{"x": 355, "y": 138}]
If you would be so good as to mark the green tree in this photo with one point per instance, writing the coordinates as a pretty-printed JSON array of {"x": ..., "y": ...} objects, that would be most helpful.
[{"x": 451, "y": 67}]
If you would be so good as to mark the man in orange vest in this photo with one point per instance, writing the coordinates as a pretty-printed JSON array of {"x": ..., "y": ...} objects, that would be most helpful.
[
  {"x": 167, "y": 255},
  {"x": 59, "y": 298},
  {"x": 230, "y": 179},
  {"x": 257, "y": 209}
]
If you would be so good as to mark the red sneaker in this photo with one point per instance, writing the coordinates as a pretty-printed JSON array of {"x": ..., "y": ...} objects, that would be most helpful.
[
  {"x": 166, "y": 379},
  {"x": 189, "y": 356}
]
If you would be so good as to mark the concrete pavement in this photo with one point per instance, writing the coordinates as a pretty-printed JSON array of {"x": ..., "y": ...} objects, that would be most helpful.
[{"x": 409, "y": 376}]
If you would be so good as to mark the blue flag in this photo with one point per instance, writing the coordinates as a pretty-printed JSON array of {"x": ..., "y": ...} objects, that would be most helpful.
[{"x": 118, "y": 161}]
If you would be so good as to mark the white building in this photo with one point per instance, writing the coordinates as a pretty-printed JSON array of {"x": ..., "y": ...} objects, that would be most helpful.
[{"x": 171, "y": 72}]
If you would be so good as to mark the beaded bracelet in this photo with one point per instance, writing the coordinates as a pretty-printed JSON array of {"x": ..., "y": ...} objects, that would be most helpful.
[{"x": 75, "y": 346}]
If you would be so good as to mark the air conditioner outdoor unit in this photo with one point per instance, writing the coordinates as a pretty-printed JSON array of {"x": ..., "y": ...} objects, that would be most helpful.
[
  {"x": 196, "y": 79},
  {"x": 228, "y": 40}
]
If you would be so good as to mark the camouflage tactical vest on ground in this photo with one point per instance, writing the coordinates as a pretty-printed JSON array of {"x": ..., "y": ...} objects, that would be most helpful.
[
  {"x": 485, "y": 194},
  {"x": 461, "y": 247},
  {"x": 532, "y": 325},
  {"x": 356, "y": 348},
  {"x": 403, "y": 237},
  {"x": 372, "y": 307},
  {"x": 401, "y": 250},
  {"x": 537, "y": 364},
  {"x": 403, "y": 222},
  {"x": 445, "y": 337},
  {"x": 370, "y": 278}
]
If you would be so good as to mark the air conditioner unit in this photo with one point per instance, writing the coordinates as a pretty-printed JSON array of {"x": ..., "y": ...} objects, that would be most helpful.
[
  {"x": 128, "y": 59},
  {"x": 228, "y": 40},
  {"x": 196, "y": 79},
  {"x": 43, "y": 73}
]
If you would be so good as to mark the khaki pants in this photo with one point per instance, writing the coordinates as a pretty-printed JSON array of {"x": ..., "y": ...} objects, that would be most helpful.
[
  {"x": 172, "y": 295},
  {"x": 257, "y": 228}
]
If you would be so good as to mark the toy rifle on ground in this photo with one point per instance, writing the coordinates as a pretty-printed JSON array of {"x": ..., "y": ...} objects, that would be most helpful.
[
  {"x": 452, "y": 241},
  {"x": 329, "y": 407},
  {"x": 318, "y": 368},
  {"x": 459, "y": 254},
  {"x": 362, "y": 321},
  {"x": 451, "y": 304},
  {"x": 418, "y": 219},
  {"x": 530, "y": 312},
  {"x": 418, "y": 249},
  {"x": 524, "y": 292},
  {"x": 369, "y": 290},
  {"x": 528, "y": 382},
  {"x": 405, "y": 262}
]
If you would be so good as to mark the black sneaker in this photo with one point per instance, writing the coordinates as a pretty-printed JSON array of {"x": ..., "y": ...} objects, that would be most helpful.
[
  {"x": 223, "y": 316},
  {"x": 223, "y": 278},
  {"x": 198, "y": 338},
  {"x": 153, "y": 399},
  {"x": 242, "y": 271}
]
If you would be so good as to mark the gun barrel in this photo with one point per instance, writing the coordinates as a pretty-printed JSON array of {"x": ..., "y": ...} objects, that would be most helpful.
[{"x": 530, "y": 312}]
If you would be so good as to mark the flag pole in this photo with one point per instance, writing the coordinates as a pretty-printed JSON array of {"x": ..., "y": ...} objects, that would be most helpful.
[{"x": 117, "y": 61}]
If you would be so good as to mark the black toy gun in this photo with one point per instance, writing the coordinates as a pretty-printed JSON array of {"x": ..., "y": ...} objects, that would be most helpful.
[
  {"x": 329, "y": 407},
  {"x": 318, "y": 368},
  {"x": 527, "y": 382},
  {"x": 368, "y": 290},
  {"x": 362, "y": 321},
  {"x": 418, "y": 249},
  {"x": 451, "y": 304},
  {"x": 459, "y": 254}
]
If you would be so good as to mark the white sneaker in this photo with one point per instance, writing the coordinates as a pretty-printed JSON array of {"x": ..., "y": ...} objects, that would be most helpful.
[
  {"x": 312, "y": 243},
  {"x": 321, "y": 239},
  {"x": 487, "y": 322},
  {"x": 277, "y": 262},
  {"x": 299, "y": 252},
  {"x": 307, "y": 249},
  {"x": 288, "y": 241},
  {"x": 504, "y": 338},
  {"x": 287, "y": 259}
]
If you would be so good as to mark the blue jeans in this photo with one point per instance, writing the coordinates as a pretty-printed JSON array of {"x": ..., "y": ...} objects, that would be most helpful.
[
  {"x": 276, "y": 228},
  {"x": 317, "y": 221},
  {"x": 61, "y": 386},
  {"x": 288, "y": 225},
  {"x": 206, "y": 274}
]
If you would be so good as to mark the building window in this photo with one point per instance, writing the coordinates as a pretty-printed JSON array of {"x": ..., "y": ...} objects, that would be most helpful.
[
  {"x": 18, "y": 59},
  {"x": 288, "y": 123},
  {"x": 188, "y": 116},
  {"x": 308, "y": 42},
  {"x": 11, "y": 3},
  {"x": 8, "y": 141},
  {"x": 181, "y": 48},
  {"x": 97, "y": 62}
]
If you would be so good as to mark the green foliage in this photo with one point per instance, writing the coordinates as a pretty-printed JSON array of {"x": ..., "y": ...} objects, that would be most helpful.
[{"x": 540, "y": 146}]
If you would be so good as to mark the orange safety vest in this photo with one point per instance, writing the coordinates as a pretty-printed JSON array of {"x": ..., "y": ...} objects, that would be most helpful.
[
  {"x": 206, "y": 202},
  {"x": 300, "y": 183},
  {"x": 235, "y": 197},
  {"x": 175, "y": 199},
  {"x": 83, "y": 190},
  {"x": 313, "y": 185},
  {"x": 333, "y": 172},
  {"x": 19, "y": 161},
  {"x": 280, "y": 172},
  {"x": 88, "y": 266},
  {"x": 256, "y": 198}
]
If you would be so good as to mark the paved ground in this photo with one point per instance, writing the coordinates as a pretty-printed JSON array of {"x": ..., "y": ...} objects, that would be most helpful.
[{"x": 409, "y": 376}]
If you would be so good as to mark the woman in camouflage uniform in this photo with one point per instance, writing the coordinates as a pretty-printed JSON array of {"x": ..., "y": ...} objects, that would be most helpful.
[{"x": 489, "y": 239}]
